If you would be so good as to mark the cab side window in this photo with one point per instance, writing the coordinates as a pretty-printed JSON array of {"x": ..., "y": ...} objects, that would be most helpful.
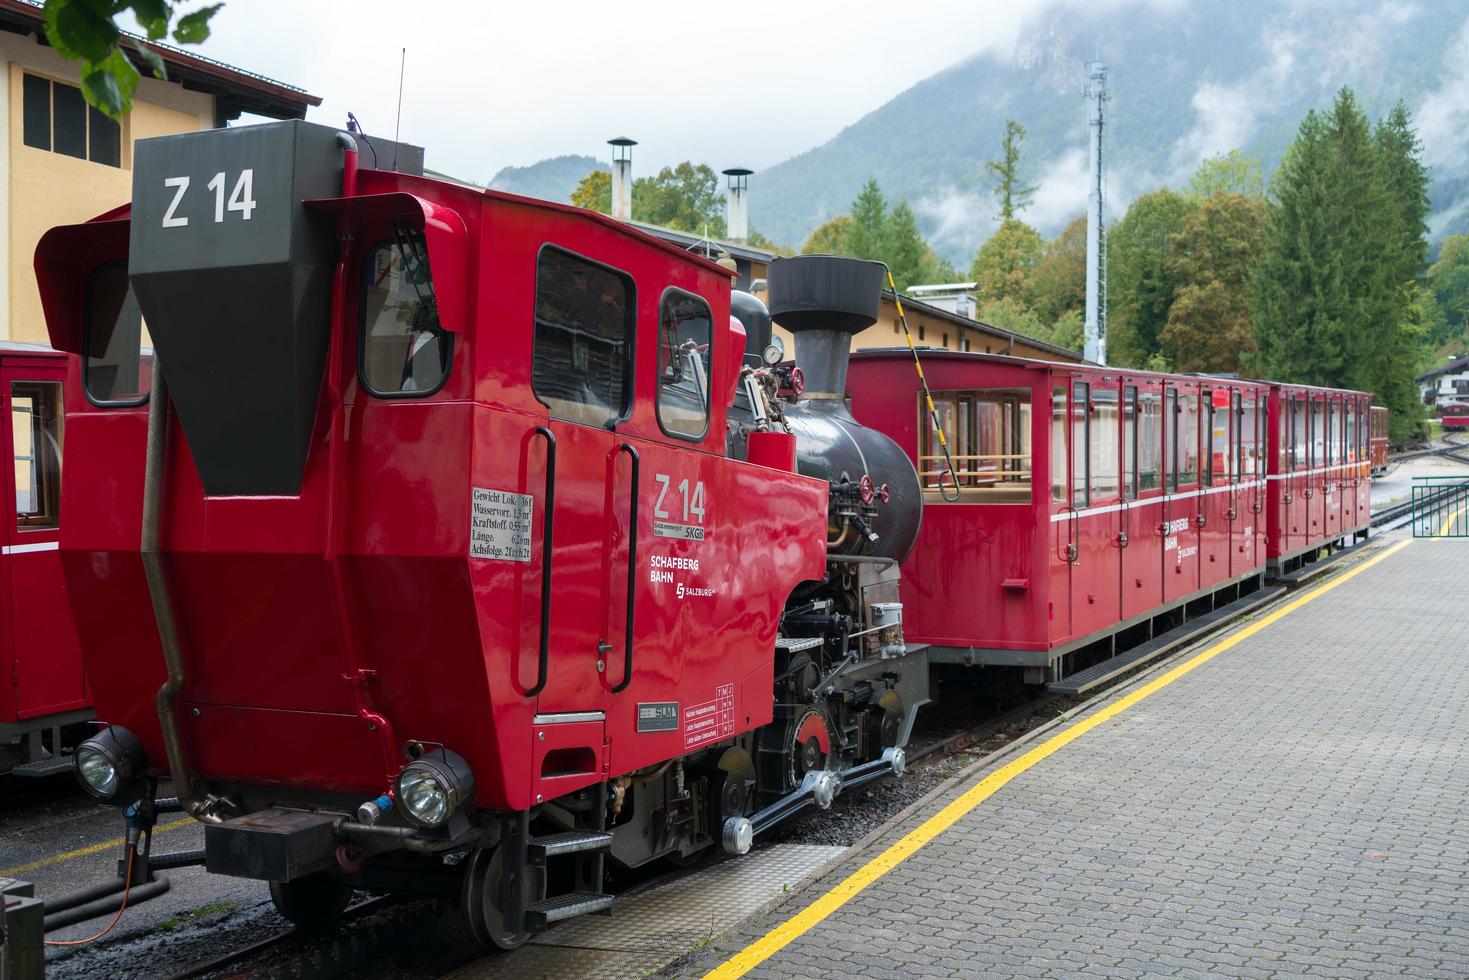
[
  {"x": 113, "y": 373},
  {"x": 581, "y": 369},
  {"x": 35, "y": 434},
  {"x": 685, "y": 339},
  {"x": 404, "y": 351}
]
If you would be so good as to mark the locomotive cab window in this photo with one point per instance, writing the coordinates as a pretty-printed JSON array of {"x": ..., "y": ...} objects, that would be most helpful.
[
  {"x": 403, "y": 351},
  {"x": 113, "y": 372},
  {"x": 988, "y": 432},
  {"x": 582, "y": 364},
  {"x": 35, "y": 435},
  {"x": 685, "y": 339}
]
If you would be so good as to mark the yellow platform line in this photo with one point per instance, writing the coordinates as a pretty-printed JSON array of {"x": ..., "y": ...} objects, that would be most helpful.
[
  {"x": 803, "y": 921},
  {"x": 21, "y": 869}
]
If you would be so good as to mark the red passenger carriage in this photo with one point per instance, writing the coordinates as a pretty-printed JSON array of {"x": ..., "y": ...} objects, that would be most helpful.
[
  {"x": 1090, "y": 501},
  {"x": 1378, "y": 444},
  {"x": 1320, "y": 474},
  {"x": 43, "y": 696}
]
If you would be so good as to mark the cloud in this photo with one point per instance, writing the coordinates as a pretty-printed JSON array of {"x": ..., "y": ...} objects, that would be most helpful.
[
  {"x": 1061, "y": 192},
  {"x": 1443, "y": 115},
  {"x": 956, "y": 221}
]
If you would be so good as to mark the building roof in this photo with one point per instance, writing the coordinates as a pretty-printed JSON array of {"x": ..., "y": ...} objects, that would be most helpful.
[
  {"x": 979, "y": 326},
  {"x": 235, "y": 90},
  {"x": 688, "y": 239},
  {"x": 938, "y": 288},
  {"x": 1457, "y": 364}
]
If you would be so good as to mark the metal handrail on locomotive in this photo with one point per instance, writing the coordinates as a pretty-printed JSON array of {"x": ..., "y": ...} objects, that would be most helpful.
[{"x": 465, "y": 542}]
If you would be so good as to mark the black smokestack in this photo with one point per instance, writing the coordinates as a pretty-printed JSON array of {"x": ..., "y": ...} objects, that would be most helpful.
[{"x": 823, "y": 300}]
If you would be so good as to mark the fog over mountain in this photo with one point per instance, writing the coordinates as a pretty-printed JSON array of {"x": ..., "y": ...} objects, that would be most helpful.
[{"x": 1189, "y": 80}]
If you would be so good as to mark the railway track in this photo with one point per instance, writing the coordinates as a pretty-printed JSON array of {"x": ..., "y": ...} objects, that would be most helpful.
[{"x": 1396, "y": 515}]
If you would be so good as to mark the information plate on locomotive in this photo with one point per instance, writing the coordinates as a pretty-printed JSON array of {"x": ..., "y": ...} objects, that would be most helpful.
[
  {"x": 658, "y": 716},
  {"x": 500, "y": 524},
  {"x": 681, "y": 532}
]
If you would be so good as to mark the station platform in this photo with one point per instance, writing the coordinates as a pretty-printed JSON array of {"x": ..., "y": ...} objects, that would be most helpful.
[{"x": 1289, "y": 798}]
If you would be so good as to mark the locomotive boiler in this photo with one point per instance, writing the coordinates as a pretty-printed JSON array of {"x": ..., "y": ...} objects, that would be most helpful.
[{"x": 428, "y": 565}]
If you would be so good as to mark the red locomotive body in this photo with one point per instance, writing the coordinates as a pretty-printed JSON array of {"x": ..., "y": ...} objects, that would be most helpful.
[
  {"x": 1320, "y": 473},
  {"x": 43, "y": 697},
  {"x": 1378, "y": 445},
  {"x": 1090, "y": 500},
  {"x": 443, "y": 544}
]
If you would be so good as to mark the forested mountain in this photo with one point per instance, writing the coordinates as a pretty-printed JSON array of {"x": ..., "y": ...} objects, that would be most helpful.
[
  {"x": 1189, "y": 80},
  {"x": 549, "y": 180}
]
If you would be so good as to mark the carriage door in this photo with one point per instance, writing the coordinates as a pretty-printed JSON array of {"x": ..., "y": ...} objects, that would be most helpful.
[
  {"x": 1141, "y": 514},
  {"x": 1216, "y": 498},
  {"x": 1331, "y": 478},
  {"x": 1180, "y": 523},
  {"x": 1095, "y": 448},
  {"x": 1249, "y": 492},
  {"x": 582, "y": 372},
  {"x": 1064, "y": 518},
  {"x": 46, "y": 674}
]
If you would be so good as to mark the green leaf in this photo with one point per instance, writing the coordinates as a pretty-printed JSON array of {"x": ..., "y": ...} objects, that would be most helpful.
[
  {"x": 108, "y": 85},
  {"x": 155, "y": 61},
  {"x": 193, "y": 28},
  {"x": 153, "y": 15},
  {"x": 79, "y": 30}
]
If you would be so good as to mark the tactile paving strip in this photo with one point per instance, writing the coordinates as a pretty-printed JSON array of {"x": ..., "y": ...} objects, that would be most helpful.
[{"x": 650, "y": 928}]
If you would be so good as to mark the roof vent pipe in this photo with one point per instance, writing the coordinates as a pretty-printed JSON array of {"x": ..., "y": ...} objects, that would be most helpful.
[
  {"x": 737, "y": 213},
  {"x": 622, "y": 177}
]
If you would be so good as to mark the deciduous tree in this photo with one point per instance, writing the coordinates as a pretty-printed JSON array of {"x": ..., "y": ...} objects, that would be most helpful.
[
  {"x": 1448, "y": 281},
  {"x": 830, "y": 238},
  {"x": 1227, "y": 173},
  {"x": 1139, "y": 292},
  {"x": 1004, "y": 264},
  {"x": 594, "y": 191},
  {"x": 1058, "y": 284},
  {"x": 1209, "y": 323}
]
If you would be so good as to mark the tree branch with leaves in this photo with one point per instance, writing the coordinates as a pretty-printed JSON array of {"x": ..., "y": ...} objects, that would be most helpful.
[{"x": 87, "y": 31}]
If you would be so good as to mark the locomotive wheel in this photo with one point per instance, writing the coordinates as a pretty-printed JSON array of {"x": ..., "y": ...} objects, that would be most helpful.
[
  {"x": 314, "y": 903},
  {"x": 481, "y": 907},
  {"x": 810, "y": 745}
]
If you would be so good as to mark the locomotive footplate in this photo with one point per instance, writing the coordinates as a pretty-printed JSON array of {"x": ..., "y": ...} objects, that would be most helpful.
[{"x": 272, "y": 845}]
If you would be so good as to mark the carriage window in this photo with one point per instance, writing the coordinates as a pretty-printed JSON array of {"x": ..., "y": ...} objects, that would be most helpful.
[
  {"x": 1150, "y": 442},
  {"x": 1059, "y": 427},
  {"x": 1351, "y": 434},
  {"x": 988, "y": 432},
  {"x": 1219, "y": 455},
  {"x": 1081, "y": 418},
  {"x": 1103, "y": 456},
  {"x": 1247, "y": 465},
  {"x": 404, "y": 351},
  {"x": 1188, "y": 440},
  {"x": 113, "y": 372},
  {"x": 1318, "y": 433},
  {"x": 582, "y": 366},
  {"x": 685, "y": 336},
  {"x": 35, "y": 435},
  {"x": 1299, "y": 441},
  {"x": 1129, "y": 442},
  {"x": 1262, "y": 436}
]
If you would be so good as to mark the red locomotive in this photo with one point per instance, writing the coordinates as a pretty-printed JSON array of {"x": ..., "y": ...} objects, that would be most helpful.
[
  {"x": 44, "y": 703},
  {"x": 470, "y": 542},
  {"x": 435, "y": 542}
]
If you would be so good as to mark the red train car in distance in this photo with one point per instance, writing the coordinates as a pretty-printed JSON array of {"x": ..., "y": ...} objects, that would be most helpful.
[
  {"x": 1320, "y": 472},
  {"x": 1378, "y": 445},
  {"x": 43, "y": 691},
  {"x": 1090, "y": 499}
]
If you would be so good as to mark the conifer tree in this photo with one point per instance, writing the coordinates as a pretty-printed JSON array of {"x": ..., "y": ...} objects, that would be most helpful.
[
  {"x": 903, "y": 247},
  {"x": 868, "y": 232},
  {"x": 1335, "y": 294}
]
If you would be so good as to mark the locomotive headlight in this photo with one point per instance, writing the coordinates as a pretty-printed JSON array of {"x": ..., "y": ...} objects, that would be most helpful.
[
  {"x": 432, "y": 788},
  {"x": 110, "y": 764}
]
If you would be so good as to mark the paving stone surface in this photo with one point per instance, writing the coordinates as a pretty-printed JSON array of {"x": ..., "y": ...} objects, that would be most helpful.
[{"x": 1294, "y": 807}]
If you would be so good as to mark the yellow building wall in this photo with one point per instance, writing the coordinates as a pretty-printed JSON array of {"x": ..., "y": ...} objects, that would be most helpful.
[{"x": 48, "y": 189}]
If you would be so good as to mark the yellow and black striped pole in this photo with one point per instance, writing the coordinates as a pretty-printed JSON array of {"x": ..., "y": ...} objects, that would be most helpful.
[{"x": 933, "y": 415}]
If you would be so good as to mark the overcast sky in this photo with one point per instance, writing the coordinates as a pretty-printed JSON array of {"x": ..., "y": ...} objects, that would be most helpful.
[{"x": 490, "y": 85}]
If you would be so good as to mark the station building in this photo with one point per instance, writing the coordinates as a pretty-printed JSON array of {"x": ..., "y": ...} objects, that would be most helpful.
[{"x": 62, "y": 161}]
